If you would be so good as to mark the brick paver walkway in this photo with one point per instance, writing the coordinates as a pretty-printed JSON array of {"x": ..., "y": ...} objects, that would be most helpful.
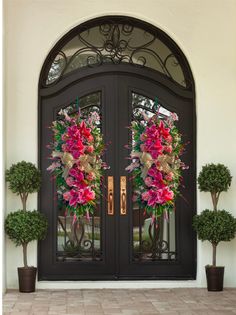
[{"x": 126, "y": 302}]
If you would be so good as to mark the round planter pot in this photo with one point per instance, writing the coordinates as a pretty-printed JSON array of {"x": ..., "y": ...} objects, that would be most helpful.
[
  {"x": 27, "y": 277},
  {"x": 215, "y": 278}
]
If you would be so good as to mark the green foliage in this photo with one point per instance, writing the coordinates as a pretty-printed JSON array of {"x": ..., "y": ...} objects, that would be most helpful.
[
  {"x": 215, "y": 226},
  {"x": 23, "y": 227},
  {"x": 23, "y": 177},
  {"x": 214, "y": 178}
]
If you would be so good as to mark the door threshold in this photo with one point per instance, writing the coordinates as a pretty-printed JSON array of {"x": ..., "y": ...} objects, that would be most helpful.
[{"x": 117, "y": 284}]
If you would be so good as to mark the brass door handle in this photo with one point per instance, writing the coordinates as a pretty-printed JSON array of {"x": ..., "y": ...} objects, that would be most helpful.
[
  {"x": 110, "y": 194},
  {"x": 123, "y": 203}
]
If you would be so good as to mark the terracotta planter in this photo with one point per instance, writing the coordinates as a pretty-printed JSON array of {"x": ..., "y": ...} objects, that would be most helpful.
[
  {"x": 27, "y": 277},
  {"x": 215, "y": 278}
]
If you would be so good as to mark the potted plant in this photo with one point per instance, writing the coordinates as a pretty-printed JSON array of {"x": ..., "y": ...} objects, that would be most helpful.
[
  {"x": 217, "y": 225},
  {"x": 25, "y": 226}
]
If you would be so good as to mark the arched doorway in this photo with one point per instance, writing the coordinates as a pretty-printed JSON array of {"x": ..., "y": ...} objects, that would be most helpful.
[{"x": 117, "y": 66}]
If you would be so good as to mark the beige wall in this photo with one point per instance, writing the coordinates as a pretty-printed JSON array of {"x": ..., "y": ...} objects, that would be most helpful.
[{"x": 206, "y": 32}]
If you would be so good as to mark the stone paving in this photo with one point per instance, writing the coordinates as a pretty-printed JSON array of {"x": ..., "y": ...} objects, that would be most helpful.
[{"x": 116, "y": 301}]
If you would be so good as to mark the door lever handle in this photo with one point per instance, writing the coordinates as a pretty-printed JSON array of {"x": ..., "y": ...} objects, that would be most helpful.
[
  {"x": 110, "y": 194},
  {"x": 123, "y": 197}
]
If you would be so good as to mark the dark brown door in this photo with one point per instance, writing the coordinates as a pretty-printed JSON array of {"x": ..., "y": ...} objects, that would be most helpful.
[{"x": 123, "y": 245}]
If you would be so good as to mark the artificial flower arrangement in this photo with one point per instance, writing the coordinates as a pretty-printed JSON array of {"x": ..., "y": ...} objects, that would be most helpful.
[
  {"x": 77, "y": 162},
  {"x": 155, "y": 163}
]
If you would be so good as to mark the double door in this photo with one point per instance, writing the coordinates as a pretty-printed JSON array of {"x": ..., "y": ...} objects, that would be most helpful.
[{"x": 119, "y": 241}]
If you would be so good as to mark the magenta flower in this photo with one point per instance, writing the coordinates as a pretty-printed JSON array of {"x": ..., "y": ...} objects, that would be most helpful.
[
  {"x": 88, "y": 194},
  {"x": 165, "y": 194},
  {"x": 153, "y": 197},
  {"x": 74, "y": 197},
  {"x": 164, "y": 132}
]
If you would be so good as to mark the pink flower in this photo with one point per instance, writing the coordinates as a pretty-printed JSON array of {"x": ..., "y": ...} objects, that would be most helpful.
[
  {"x": 80, "y": 146},
  {"x": 73, "y": 132},
  {"x": 77, "y": 174},
  {"x": 169, "y": 176},
  {"x": 166, "y": 194},
  {"x": 154, "y": 147},
  {"x": 66, "y": 196},
  {"x": 70, "y": 181},
  {"x": 152, "y": 132},
  {"x": 169, "y": 139},
  {"x": 153, "y": 197},
  {"x": 86, "y": 132},
  {"x": 155, "y": 173},
  {"x": 90, "y": 176},
  {"x": 74, "y": 197},
  {"x": 90, "y": 138},
  {"x": 145, "y": 195},
  {"x": 148, "y": 181},
  {"x": 90, "y": 149},
  {"x": 88, "y": 194},
  {"x": 157, "y": 196},
  {"x": 165, "y": 132},
  {"x": 168, "y": 148},
  {"x": 143, "y": 137}
]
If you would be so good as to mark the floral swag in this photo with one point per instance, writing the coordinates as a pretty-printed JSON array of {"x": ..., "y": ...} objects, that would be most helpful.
[
  {"x": 77, "y": 162},
  {"x": 155, "y": 164}
]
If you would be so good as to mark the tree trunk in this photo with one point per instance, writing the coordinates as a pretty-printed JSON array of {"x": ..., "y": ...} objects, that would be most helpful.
[
  {"x": 24, "y": 245},
  {"x": 214, "y": 255},
  {"x": 214, "y": 200},
  {"x": 24, "y": 198}
]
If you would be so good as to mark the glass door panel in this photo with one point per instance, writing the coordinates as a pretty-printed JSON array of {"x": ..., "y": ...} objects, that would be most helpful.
[
  {"x": 80, "y": 239},
  {"x": 152, "y": 239}
]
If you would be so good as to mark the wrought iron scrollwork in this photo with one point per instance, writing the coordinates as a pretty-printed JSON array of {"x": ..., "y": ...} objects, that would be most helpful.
[{"x": 116, "y": 42}]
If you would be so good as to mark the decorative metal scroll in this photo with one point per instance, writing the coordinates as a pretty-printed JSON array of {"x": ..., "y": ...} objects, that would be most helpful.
[{"x": 116, "y": 42}]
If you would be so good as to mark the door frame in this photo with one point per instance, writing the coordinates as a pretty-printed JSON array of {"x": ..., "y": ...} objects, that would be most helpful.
[{"x": 147, "y": 74}]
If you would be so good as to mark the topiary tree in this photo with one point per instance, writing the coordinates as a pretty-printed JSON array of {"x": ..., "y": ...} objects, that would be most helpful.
[
  {"x": 23, "y": 227},
  {"x": 212, "y": 226},
  {"x": 215, "y": 226},
  {"x": 214, "y": 178},
  {"x": 24, "y": 178}
]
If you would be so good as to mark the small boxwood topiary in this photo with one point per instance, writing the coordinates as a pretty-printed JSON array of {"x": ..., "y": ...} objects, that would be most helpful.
[
  {"x": 214, "y": 178},
  {"x": 215, "y": 227},
  {"x": 24, "y": 178},
  {"x": 23, "y": 227}
]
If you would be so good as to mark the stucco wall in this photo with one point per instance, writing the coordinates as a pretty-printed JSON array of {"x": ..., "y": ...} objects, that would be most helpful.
[{"x": 205, "y": 31}]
